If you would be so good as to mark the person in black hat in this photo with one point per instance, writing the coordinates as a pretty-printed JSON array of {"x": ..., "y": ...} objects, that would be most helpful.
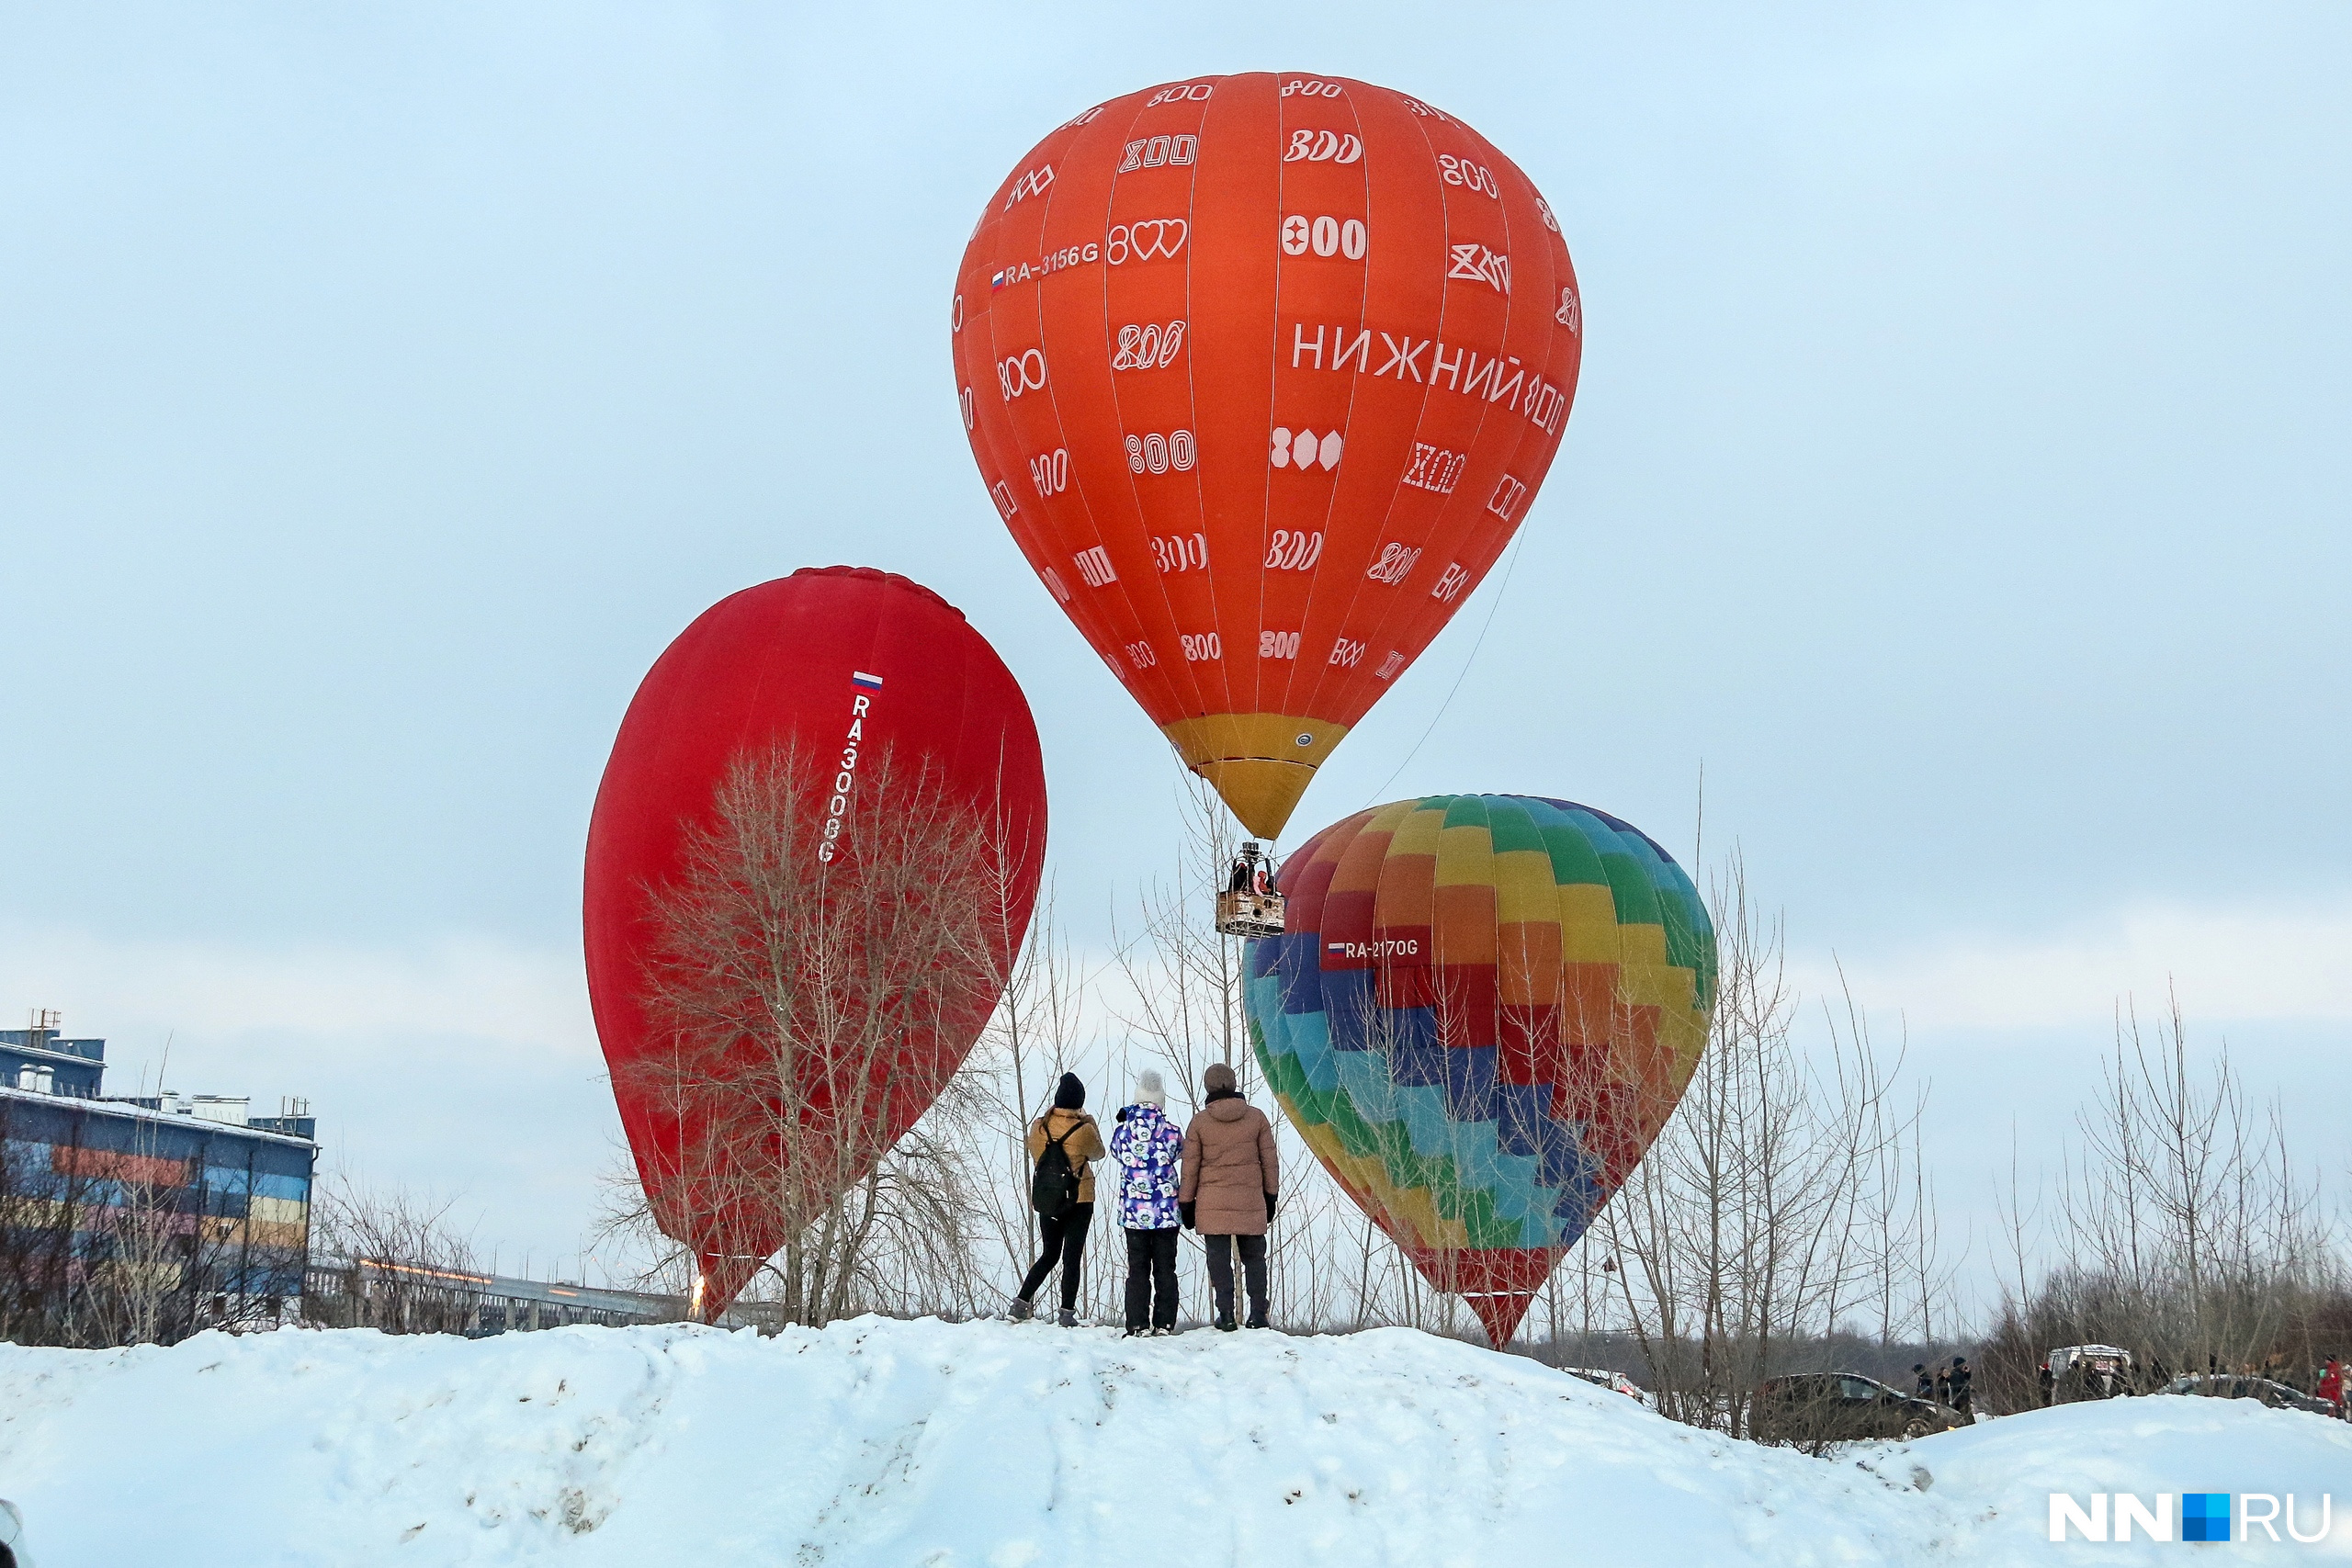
[{"x": 1064, "y": 1143}]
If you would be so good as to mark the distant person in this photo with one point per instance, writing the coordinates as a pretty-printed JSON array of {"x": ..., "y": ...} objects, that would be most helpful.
[
  {"x": 2329, "y": 1386},
  {"x": 1148, "y": 1152},
  {"x": 1943, "y": 1385},
  {"x": 1252, "y": 871},
  {"x": 2049, "y": 1386},
  {"x": 1064, "y": 1143},
  {"x": 1923, "y": 1386},
  {"x": 1228, "y": 1191},
  {"x": 1962, "y": 1400}
]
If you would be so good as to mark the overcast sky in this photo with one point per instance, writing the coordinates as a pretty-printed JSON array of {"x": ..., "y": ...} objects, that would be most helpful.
[{"x": 1957, "y": 478}]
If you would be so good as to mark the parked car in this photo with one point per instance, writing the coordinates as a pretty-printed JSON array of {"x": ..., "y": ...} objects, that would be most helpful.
[
  {"x": 13, "y": 1553},
  {"x": 2088, "y": 1371},
  {"x": 2231, "y": 1385},
  {"x": 1603, "y": 1377},
  {"x": 1843, "y": 1407}
]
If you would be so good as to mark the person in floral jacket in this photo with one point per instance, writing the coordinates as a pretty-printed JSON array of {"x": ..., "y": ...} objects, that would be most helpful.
[{"x": 1145, "y": 1148}]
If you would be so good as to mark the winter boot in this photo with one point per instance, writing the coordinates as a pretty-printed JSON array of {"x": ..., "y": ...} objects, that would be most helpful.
[
  {"x": 1257, "y": 1320},
  {"x": 1021, "y": 1311},
  {"x": 1068, "y": 1318},
  {"x": 1225, "y": 1326}
]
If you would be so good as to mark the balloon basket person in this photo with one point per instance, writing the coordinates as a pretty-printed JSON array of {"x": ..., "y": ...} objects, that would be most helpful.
[{"x": 1250, "y": 905}]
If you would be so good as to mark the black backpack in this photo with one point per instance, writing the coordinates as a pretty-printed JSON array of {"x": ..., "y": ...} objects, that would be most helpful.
[{"x": 1054, "y": 1191}]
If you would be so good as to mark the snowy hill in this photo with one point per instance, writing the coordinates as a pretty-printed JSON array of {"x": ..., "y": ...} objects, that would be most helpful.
[{"x": 994, "y": 1446}]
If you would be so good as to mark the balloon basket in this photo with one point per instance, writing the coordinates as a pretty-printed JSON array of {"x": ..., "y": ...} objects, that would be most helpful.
[{"x": 1249, "y": 914}]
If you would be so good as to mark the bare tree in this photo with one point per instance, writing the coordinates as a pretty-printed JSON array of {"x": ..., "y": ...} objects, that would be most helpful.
[
  {"x": 1781, "y": 1195},
  {"x": 140, "y": 1246},
  {"x": 1182, "y": 999},
  {"x": 1390, "y": 1287},
  {"x": 2181, "y": 1229},
  {"x": 40, "y": 1209},
  {"x": 1038, "y": 1032},
  {"x": 1180, "y": 1002},
  {"x": 396, "y": 1261},
  {"x": 812, "y": 1122}
]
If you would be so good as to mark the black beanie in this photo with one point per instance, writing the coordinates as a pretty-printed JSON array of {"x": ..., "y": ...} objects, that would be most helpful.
[{"x": 1069, "y": 1094}]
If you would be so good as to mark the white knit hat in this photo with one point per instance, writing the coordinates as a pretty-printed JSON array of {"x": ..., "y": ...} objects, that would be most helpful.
[{"x": 1149, "y": 1090}]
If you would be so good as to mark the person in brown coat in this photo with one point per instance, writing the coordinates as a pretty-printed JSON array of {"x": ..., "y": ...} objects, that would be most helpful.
[
  {"x": 1227, "y": 1190},
  {"x": 1064, "y": 1240}
]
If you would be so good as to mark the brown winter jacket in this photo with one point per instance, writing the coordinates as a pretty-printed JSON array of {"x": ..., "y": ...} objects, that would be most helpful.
[
  {"x": 1228, "y": 1168},
  {"x": 1085, "y": 1146}
]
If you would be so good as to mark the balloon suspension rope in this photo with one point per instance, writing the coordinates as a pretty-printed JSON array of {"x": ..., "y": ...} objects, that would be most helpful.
[{"x": 1504, "y": 587}]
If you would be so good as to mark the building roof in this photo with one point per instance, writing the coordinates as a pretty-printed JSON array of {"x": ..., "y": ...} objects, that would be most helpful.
[{"x": 78, "y": 1103}]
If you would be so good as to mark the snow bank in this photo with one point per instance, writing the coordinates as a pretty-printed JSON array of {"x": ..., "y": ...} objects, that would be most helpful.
[
  {"x": 995, "y": 1446},
  {"x": 2147, "y": 1446}
]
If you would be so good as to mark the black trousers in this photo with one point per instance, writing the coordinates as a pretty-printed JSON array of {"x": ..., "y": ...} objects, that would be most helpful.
[
  {"x": 1152, "y": 1271},
  {"x": 1065, "y": 1243},
  {"x": 1254, "y": 1269}
]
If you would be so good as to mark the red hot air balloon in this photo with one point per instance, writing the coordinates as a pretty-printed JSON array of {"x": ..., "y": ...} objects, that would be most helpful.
[
  {"x": 812, "y": 858},
  {"x": 1262, "y": 372}
]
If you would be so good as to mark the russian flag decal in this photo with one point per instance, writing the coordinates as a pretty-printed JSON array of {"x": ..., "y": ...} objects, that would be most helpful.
[{"x": 860, "y": 677}]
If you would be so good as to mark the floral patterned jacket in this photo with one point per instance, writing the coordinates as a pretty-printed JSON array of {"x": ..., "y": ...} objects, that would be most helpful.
[{"x": 1145, "y": 1147}]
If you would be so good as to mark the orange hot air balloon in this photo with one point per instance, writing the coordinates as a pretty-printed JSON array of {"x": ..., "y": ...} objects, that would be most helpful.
[{"x": 1262, "y": 372}]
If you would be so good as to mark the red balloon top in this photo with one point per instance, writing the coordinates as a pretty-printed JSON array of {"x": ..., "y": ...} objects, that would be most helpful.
[{"x": 1262, "y": 372}]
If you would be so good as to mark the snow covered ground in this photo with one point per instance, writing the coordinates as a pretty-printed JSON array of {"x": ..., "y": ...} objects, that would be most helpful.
[{"x": 994, "y": 1446}]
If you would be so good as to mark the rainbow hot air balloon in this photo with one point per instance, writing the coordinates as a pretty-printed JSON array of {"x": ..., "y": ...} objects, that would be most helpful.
[
  {"x": 813, "y": 855},
  {"x": 1262, "y": 372},
  {"x": 1483, "y": 1010}
]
